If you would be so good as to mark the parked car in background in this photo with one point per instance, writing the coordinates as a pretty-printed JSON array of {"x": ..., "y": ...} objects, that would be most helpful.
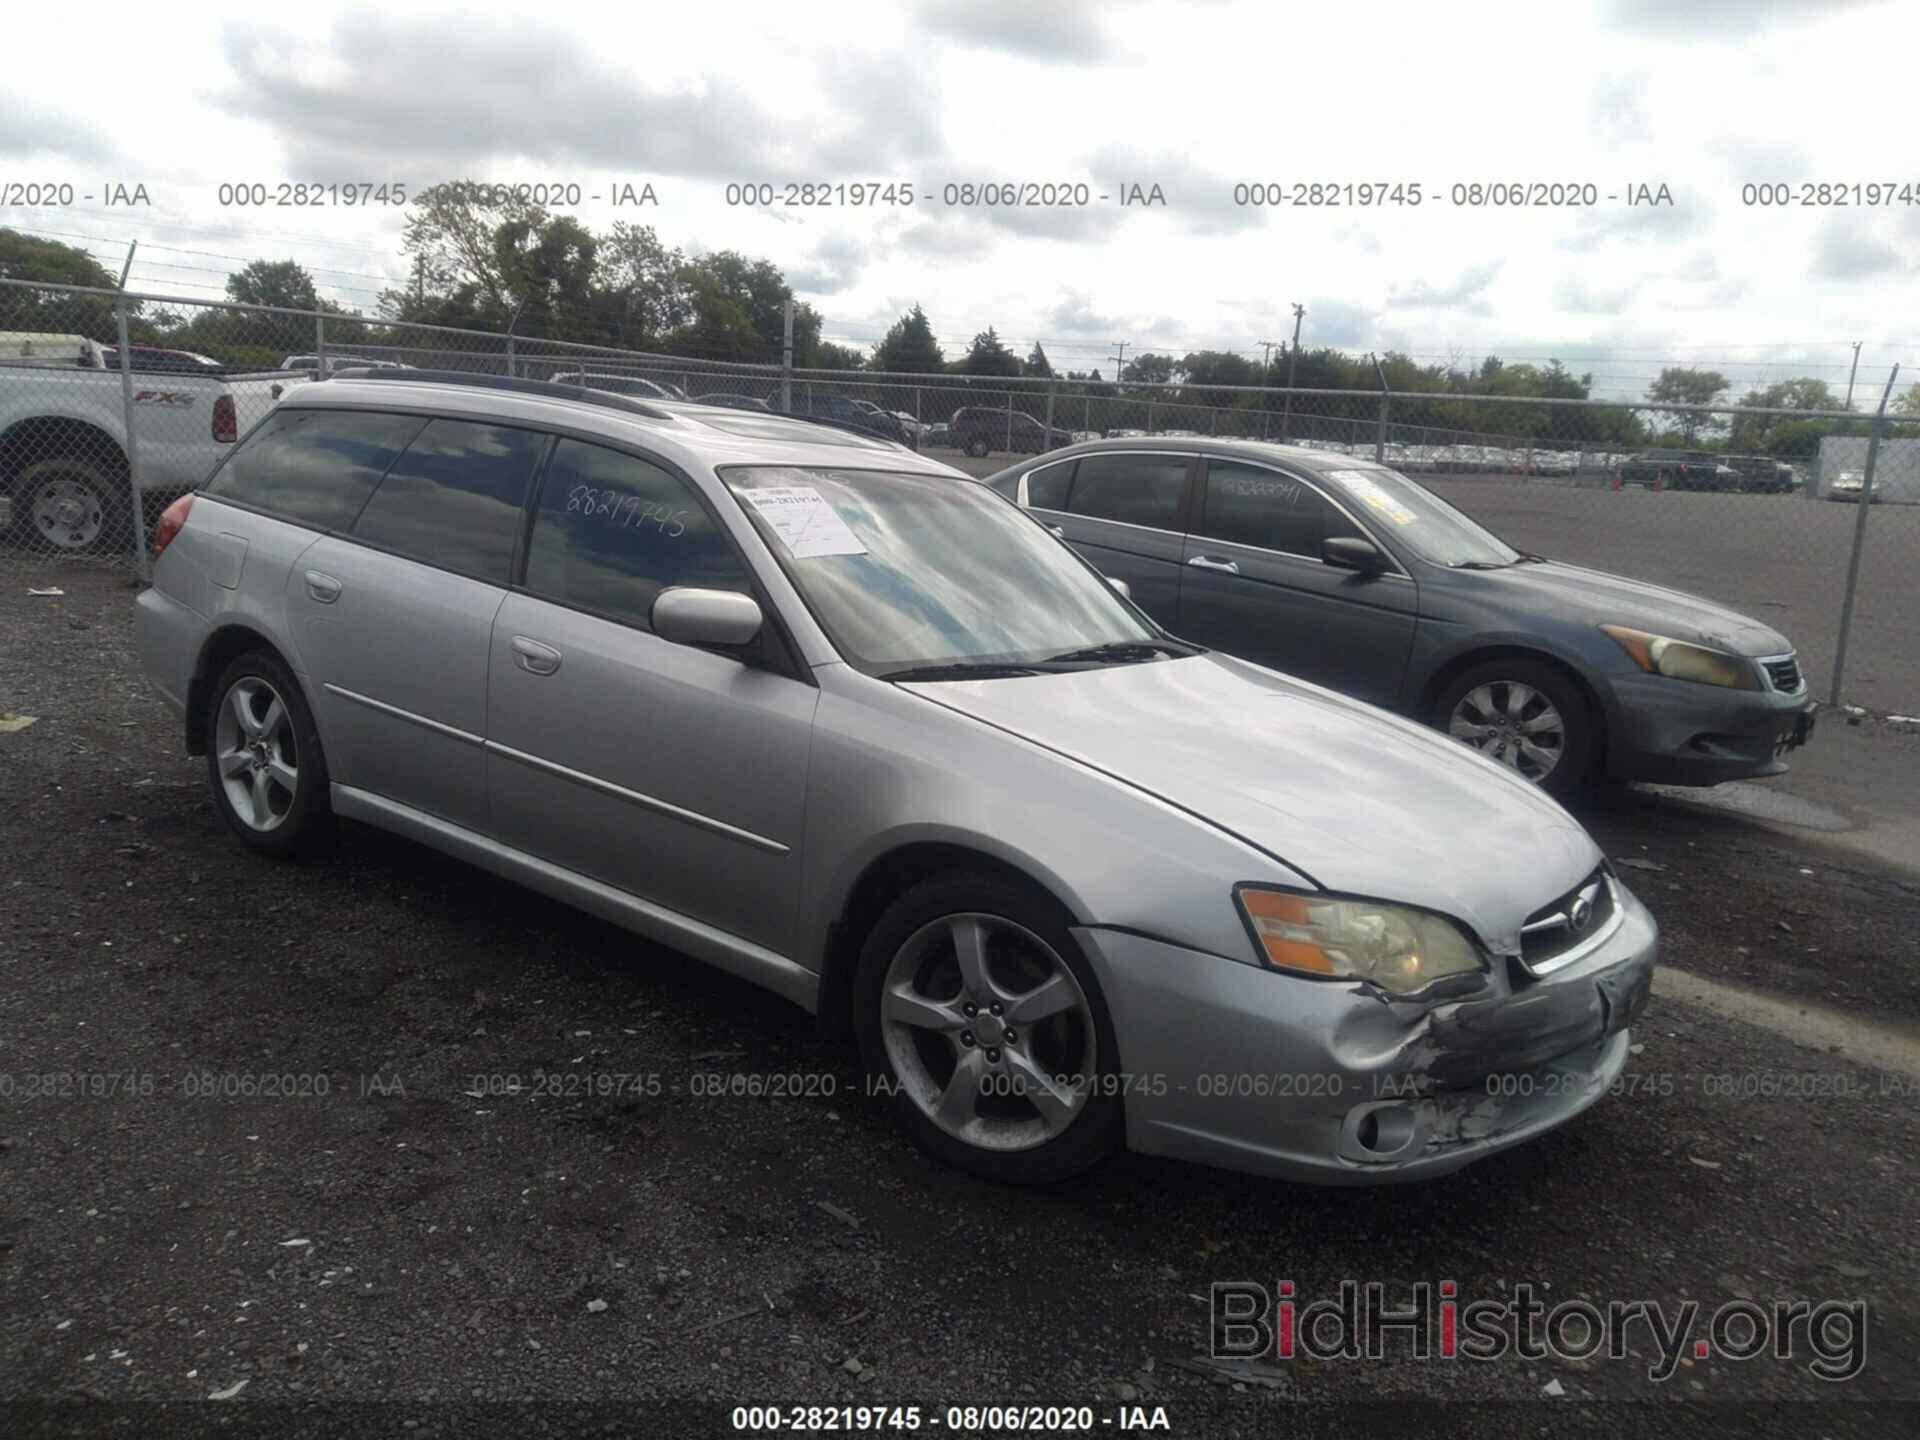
[
  {"x": 636, "y": 385},
  {"x": 838, "y": 721},
  {"x": 1761, "y": 473},
  {"x": 1678, "y": 470},
  {"x": 1851, "y": 485},
  {"x": 845, "y": 410},
  {"x": 735, "y": 402},
  {"x": 938, "y": 434},
  {"x": 63, "y": 433},
  {"x": 1553, "y": 462},
  {"x": 981, "y": 430},
  {"x": 1350, "y": 575},
  {"x": 336, "y": 362}
]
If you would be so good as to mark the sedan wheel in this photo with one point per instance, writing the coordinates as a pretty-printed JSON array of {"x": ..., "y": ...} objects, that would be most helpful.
[
  {"x": 1524, "y": 715},
  {"x": 988, "y": 1032},
  {"x": 983, "y": 1022}
]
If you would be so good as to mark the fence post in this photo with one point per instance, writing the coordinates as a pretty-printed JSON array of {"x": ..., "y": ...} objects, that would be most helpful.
[
  {"x": 1859, "y": 538},
  {"x": 1009, "y": 422},
  {"x": 319, "y": 346},
  {"x": 135, "y": 511},
  {"x": 1149, "y": 412},
  {"x": 1048, "y": 439},
  {"x": 1386, "y": 400},
  {"x": 786, "y": 361}
]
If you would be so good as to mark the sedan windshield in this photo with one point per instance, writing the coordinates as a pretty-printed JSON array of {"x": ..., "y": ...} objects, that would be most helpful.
[
  {"x": 935, "y": 574},
  {"x": 1421, "y": 520}
]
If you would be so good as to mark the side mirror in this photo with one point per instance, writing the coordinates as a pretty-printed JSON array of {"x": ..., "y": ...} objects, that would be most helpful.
[
  {"x": 1348, "y": 552},
  {"x": 1126, "y": 590},
  {"x": 688, "y": 616}
]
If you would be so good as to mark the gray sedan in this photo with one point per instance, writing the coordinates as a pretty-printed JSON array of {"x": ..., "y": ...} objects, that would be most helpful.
[
  {"x": 1347, "y": 573},
  {"x": 815, "y": 710}
]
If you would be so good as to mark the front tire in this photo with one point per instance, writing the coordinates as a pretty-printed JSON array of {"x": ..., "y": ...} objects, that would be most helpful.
[
  {"x": 974, "y": 1005},
  {"x": 72, "y": 507},
  {"x": 1526, "y": 715},
  {"x": 977, "y": 448},
  {"x": 265, "y": 766}
]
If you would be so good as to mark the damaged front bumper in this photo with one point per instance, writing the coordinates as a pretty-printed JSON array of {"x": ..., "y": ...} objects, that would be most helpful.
[{"x": 1233, "y": 1065}]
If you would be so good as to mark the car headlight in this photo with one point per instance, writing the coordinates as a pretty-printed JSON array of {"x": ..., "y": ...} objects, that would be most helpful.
[
  {"x": 1331, "y": 937},
  {"x": 1678, "y": 660}
]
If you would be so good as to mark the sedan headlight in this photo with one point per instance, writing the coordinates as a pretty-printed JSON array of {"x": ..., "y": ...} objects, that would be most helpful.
[
  {"x": 1331, "y": 937},
  {"x": 1678, "y": 660}
]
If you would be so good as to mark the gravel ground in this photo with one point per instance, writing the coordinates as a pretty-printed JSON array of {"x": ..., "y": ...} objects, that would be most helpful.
[{"x": 310, "y": 1181}]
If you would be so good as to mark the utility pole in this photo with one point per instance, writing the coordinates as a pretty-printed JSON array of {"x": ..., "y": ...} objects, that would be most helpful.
[
  {"x": 1118, "y": 359},
  {"x": 1293, "y": 359},
  {"x": 1853, "y": 372}
]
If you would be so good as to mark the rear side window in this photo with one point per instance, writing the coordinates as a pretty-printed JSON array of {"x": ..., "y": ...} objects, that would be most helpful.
[
  {"x": 612, "y": 531},
  {"x": 314, "y": 467},
  {"x": 455, "y": 497},
  {"x": 1047, "y": 486},
  {"x": 1249, "y": 505},
  {"x": 1135, "y": 489}
]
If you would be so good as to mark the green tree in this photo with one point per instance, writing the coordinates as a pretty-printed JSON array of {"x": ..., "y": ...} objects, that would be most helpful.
[
  {"x": 450, "y": 237},
  {"x": 1907, "y": 402},
  {"x": 987, "y": 356},
  {"x": 284, "y": 283},
  {"x": 829, "y": 356},
  {"x": 26, "y": 257},
  {"x": 639, "y": 294},
  {"x": 1036, "y": 364},
  {"x": 909, "y": 347},
  {"x": 720, "y": 327},
  {"x": 1686, "y": 385},
  {"x": 1755, "y": 433},
  {"x": 1149, "y": 369}
]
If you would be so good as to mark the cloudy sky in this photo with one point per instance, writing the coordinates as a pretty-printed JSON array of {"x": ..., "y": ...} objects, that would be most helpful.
[{"x": 1703, "y": 98}]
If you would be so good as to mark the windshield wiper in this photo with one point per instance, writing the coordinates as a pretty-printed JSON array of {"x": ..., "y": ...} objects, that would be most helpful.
[
  {"x": 1527, "y": 557},
  {"x": 1123, "y": 652},
  {"x": 959, "y": 670},
  {"x": 1480, "y": 564}
]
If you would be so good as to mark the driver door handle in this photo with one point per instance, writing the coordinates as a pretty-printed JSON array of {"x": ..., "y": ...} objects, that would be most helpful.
[
  {"x": 1214, "y": 562},
  {"x": 322, "y": 586},
  {"x": 534, "y": 657}
]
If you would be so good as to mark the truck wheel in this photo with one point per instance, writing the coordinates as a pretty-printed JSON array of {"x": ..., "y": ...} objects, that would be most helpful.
[
  {"x": 71, "y": 507},
  {"x": 977, "y": 448}
]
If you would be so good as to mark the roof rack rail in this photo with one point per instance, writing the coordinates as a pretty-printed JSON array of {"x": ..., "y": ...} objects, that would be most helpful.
[
  {"x": 846, "y": 425},
  {"x": 482, "y": 381}
]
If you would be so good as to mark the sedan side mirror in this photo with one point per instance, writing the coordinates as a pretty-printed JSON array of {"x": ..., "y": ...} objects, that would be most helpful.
[
  {"x": 689, "y": 616},
  {"x": 1126, "y": 590},
  {"x": 1348, "y": 552}
]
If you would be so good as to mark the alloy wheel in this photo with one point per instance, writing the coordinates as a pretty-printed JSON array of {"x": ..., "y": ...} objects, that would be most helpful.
[
  {"x": 1514, "y": 724},
  {"x": 259, "y": 761},
  {"x": 988, "y": 1032}
]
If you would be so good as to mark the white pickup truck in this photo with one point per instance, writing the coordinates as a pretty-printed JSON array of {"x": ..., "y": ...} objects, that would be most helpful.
[{"x": 63, "y": 433}]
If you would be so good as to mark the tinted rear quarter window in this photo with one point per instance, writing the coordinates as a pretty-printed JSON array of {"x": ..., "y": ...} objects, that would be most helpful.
[
  {"x": 612, "y": 531},
  {"x": 1135, "y": 489},
  {"x": 454, "y": 498},
  {"x": 1047, "y": 486},
  {"x": 314, "y": 467}
]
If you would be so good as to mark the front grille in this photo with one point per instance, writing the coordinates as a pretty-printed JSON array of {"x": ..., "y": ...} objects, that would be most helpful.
[
  {"x": 1784, "y": 674},
  {"x": 1550, "y": 931}
]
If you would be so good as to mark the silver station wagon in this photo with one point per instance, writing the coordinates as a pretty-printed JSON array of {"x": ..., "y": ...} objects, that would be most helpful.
[{"x": 823, "y": 713}]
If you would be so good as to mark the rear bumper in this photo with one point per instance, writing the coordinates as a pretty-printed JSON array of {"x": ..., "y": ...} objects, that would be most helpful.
[
  {"x": 1675, "y": 732},
  {"x": 1231, "y": 1065}
]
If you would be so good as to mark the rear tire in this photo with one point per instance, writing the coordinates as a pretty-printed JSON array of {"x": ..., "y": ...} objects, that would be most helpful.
[
  {"x": 961, "y": 1078},
  {"x": 265, "y": 766},
  {"x": 1524, "y": 714},
  {"x": 69, "y": 506},
  {"x": 977, "y": 448}
]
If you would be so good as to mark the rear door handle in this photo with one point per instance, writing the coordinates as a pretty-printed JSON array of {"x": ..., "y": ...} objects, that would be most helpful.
[
  {"x": 322, "y": 586},
  {"x": 1212, "y": 562},
  {"x": 533, "y": 657}
]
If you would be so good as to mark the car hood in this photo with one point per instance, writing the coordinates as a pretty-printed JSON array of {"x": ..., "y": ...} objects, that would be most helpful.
[
  {"x": 1573, "y": 593},
  {"x": 1360, "y": 801}
]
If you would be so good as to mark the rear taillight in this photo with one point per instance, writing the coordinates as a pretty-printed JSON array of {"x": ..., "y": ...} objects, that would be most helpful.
[
  {"x": 169, "y": 523},
  {"x": 226, "y": 420}
]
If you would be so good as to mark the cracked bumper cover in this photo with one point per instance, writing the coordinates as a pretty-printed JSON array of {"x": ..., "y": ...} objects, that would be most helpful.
[{"x": 1233, "y": 1065}]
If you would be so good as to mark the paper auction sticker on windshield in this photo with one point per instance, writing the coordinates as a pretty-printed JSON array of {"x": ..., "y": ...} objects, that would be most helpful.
[
  {"x": 1367, "y": 491},
  {"x": 807, "y": 525}
]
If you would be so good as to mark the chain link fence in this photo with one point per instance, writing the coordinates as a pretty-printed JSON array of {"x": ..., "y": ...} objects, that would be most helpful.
[{"x": 112, "y": 405}]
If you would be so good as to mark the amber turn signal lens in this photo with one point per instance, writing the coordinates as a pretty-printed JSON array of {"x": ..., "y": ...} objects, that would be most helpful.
[{"x": 1279, "y": 920}]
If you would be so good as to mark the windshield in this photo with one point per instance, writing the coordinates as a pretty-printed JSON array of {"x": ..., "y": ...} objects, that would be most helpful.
[
  {"x": 1419, "y": 519},
  {"x": 913, "y": 571}
]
